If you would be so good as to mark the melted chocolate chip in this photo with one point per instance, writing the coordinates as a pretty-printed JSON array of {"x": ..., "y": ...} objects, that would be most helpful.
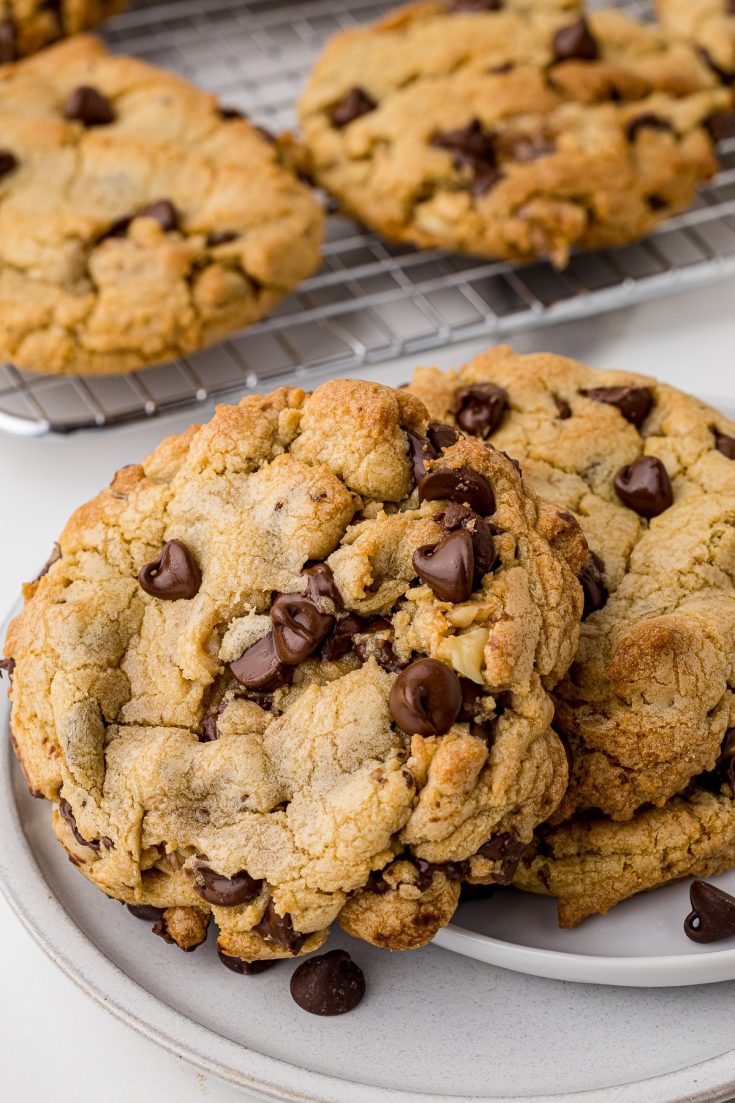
[
  {"x": 220, "y": 237},
  {"x": 507, "y": 849},
  {"x": 458, "y": 484},
  {"x": 564, "y": 410},
  {"x": 342, "y": 639},
  {"x": 146, "y": 912},
  {"x": 634, "y": 403},
  {"x": 87, "y": 105},
  {"x": 384, "y": 653},
  {"x": 320, "y": 583},
  {"x": 356, "y": 103},
  {"x": 426, "y": 698},
  {"x": 647, "y": 121},
  {"x": 575, "y": 42},
  {"x": 163, "y": 212},
  {"x": 259, "y": 666},
  {"x": 644, "y": 486},
  {"x": 279, "y": 929},
  {"x": 712, "y": 917},
  {"x": 592, "y": 581},
  {"x": 725, "y": 444},
  {"x": 298, "y": 627},
  {"x": 66, "y": 814},
  {"x": 225, "y": 892},
  {"x": 475, "y": 5},
  {"x": 7, "y": 41},
  {"x": 8, "y": 162},
  {"x": 244, "y": 968},
  {"x": 482, "y": 407},
  {"x": 330, "y": 984},
  {"x": 470, "y": 146},
  {"x": 448, "y": 567},
  {"x": 483, "y": 547},
  {"x": 420, "y": 449},
  {"x": 441, "y": 436},
  {"x": 173, "y": 575}
]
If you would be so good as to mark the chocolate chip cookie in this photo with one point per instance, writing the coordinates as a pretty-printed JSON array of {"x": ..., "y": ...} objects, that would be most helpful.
[
  {"x": 708, "y": 23},
  {"x": 28, "y": 25},
  {"x": 504, "y": 132},
  {"x": 295, "y": 667},
  {"x": 139, "y": 218}
]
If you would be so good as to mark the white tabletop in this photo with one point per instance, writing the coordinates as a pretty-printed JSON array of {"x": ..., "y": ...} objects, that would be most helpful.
[{"x": 57, "y": 1042}]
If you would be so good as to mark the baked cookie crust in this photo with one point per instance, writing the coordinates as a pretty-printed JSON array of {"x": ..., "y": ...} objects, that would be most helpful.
[{"x": 28, "y": 25}]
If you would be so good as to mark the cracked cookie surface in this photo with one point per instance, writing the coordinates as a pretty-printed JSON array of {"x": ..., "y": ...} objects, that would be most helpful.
[
  {"x": 28, "y": 25},
  {"x": 139, "y": 219},
  {"x": 511, "y": 133},
  {"x": 268, "y": 678}
]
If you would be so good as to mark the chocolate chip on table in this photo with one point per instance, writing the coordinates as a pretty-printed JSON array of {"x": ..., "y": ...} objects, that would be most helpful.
[
  {"x": 244, "y": 968},
  {"x": 225, "y": 892},
  {"x": 8, "y": 43},
  {"x": 146, "y": 912},
  {"x": 575, "y": 42},
  {"x": 475, "y": 5},
  {"x": 481, "y": 409},
  {"x": 441, "y": 436},
  {"x": 647, "y": 121},
  {"x": 448, "y": 567},
  {"x": 458, "y": 484},
  {"x": 712, "y": 917},
  {"x": 279, "y": 929},
  {"x": 384, "y": 654},
  {"x": 173, "y": 575},
  {"x": 87, "y": 105},
  {"x": 330, "y": 984},
  {"x": 259, "y": 666},
  {"x": 592, "y": 581},
  {"x": 469, "y": 893},
  {"x": 8, "y": 162},
  {"x": 353, "y": 105},
  {"x": 483, "y": 546},
  {"x": 471, "y": 146},
  {"x": 426, "y": 698},
  {"x": 220, "y": 237},
  {"x": 66, "y": 814},
  {"x": 725, "y": 445},
  {"x": 644, "y": 486},
  {"x": 634, "y": 403}
]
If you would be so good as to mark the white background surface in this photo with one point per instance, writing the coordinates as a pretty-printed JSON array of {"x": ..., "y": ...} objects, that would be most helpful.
[{"x": 54, "y": 1042}]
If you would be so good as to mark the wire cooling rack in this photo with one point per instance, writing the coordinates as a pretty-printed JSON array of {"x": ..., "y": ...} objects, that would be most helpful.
[{"x": 371, "y": 300}]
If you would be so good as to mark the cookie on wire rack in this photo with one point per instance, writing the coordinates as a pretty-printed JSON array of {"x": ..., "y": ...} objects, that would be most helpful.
[{"x": 28, "y": 25}]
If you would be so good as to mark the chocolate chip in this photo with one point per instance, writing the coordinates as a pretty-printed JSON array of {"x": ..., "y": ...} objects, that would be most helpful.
[
  {"x": 259, "y": 666},
  {"x": 226, "y": 112},
  {"x": 634, "y": 403},
  {"x": 656, "y": 202},
  {"x": 458, "y": 484},
  {"x": 341, "y": 641},
  {"x": 209, "y": 733},
  {"x": 475, "y": 5},
  {"x": 725, "y": 75},
  {"x": 564, "y": 410},
  {"x": 298, "y": 627},
  {"x": 485, "y": 182},
  {"x": 644, "y": 486},
  {"x": 7, "y": 41},
  {"x": 507, "y": 849},
  {"x": 420, "y": 449},
  {"x": 471, "y": 146},
  {"x": 575, "y": 42},
  {"x": 725, "y": 444},
  {"x": 469, "y": 893},
  {"x": 220, "y": 237},
  {"x": 725, "y": 764},
  {"x": 86, "y": 105},
  {"x": 173, "y": 575},
  {"x": 279, "y": 929},
  {"x": 441, "y": 436},
  {"x": 647, "y": 121},
  {"x": 483, "y": 547},
  {"x": 425, "y": 698},
  {"x": 384, "y": 653},
  {"x": 163, "y": 212},
  {"x": 592, "y": 580},
  {"x": 320, "y": 583},
  {"x": 356, "y": 103},
  {"x": 146, "y": 912},
  {"x": 244, "y": 968},
  {"x": 66, "y": 814},
  {"x": 719, "y": 125},
  {"x": 447, "y": 567},
  {"x": 8, "y": 162},
  {"x": 482, "y": 407},
  {"x": 712, "y": 917},
  {"x": 225, "y": 892},
  {"x": 329, "y": 984},
  {"x": 7, "y": 665},
  {"x": 472, "y": 697}
]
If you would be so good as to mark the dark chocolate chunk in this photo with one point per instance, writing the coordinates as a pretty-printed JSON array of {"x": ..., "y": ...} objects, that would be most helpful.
[
  {"x": 259, "y": 666},
  {"x": 384, "y": 653},
  {"x": 441, "y": 436},
  {"x": 456, "y": 516},
  {"x": 164, "y": 212},
  {"x": 356, "y": 103},
  {"x": 712, "y": 917},
  {"x": 507, "y": 849},
  {"x": 298, "y": 627},
  {"x": 475, "y": 5},
  {"x": 471, "y": 146},
  {"x": 564, "y": 410},
  {"x": 7, "y": 665},
  {"x": 8, "y": 162},
  {"x": 426, "y": 698},
  {"x": 244, "y": 968},
  {"x": 634, "y": 403},
  {"x": 725, "y": 444},
  {"x": 66, "y": 814},
  {"x": 592, "y": 581},
  {"x": 226, "y": 112},
  {"x": 575, "y": 42},
  {"x": 225, "y": 892},
  {"x": 470, "y": 893},
  {"x": 448, "y": 567},
  {"x": 420, "y": 449},
  {"x": 482, "y": 407},
  {"x": 725, "y": 765},
  {"x": 647, "y": 121},
  {"x": 458, "y": 484},
  {"x": 320, "y": 583},
  {"x": 342, "y": 639},
  {"x": 484, "y": 182},
  {"x": 329, "y": 984},
  {"x": 87, "y": 105},
  {"x": 719, "y": 125},
  {"x": 279, "y": 929},
  {"x": 146, "y": 912},
  {"x": 173, "y": 575},
  {"x": 8, "y": 44},
  {"x": 220, "y": 237},
  {"x": 644, "y": 486}
]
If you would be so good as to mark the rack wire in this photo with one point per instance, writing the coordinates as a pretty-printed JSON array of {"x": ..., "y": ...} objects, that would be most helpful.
[{"x": 371, "y": 300}]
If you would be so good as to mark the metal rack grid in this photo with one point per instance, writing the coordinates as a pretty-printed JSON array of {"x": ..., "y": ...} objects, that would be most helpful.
[{"x": 371, "y": 300}]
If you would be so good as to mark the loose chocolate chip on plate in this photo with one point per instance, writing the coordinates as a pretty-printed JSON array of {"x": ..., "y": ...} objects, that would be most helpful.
[
  {"x": 220, "y": 237},
  {"x": 475, "y": 5},
  {"x": 279, "y": 929},
  {"x": 634, "y": 403},
  {"x": 441, "y": 436},
  {"x": 712, "y": 917},
  {"x": 575, "y": 42},
  {"x": 356, "y": 103},
  {"x": 7, "y": 41},
  {"x": 471, "y": 146},
  {"x": 481, "y": 409},
  {"x": 329, "y": 984},
  {"x": 87, "y": 105},
  {"x": 426, "y": 698},
  {"x": 146, "y": 912},
  {"x": 644, "y": 486},
  {"x": 259, "y": 666},
  {"x": 225, "y": 892},
  {"x": 244, "y": 968},
  {"x": 448, "y": 567},
  {"x": 298, "y": 627},
  {"x": 8, "y": 162},
  {"x": 725, "y": 444},
  {"x": 173, "y": 575},
  {"x": 647, "y": 121},
  {"x": 592, "y": 581},
  {"x": 458, "y": 484},
  {"x": 66, "y": 814}
]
